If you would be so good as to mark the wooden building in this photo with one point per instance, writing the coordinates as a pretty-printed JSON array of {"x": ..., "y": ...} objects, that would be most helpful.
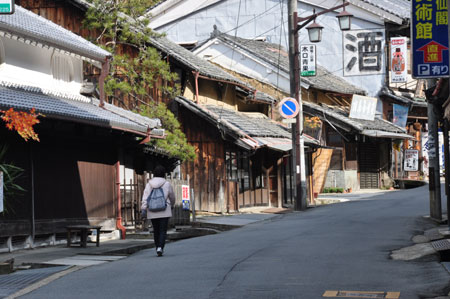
[
  {"x": 341, "y": 161},
  {"x": 221, "y": 116},
  {"x": 201, "y": 82},
  {"x": 72, "y": 175},
  {"x": 361, "y": 148},
  {"x": 244, "y": 157}
]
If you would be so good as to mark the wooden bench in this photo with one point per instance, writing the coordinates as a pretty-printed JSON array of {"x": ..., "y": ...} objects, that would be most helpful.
[{"x": 83, "y": 231}]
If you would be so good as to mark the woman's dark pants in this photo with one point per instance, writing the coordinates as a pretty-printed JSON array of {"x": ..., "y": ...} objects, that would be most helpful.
[{"x": 160, "y": 231}]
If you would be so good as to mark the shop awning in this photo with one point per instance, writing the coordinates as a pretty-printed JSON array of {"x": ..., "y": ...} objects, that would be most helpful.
[{"x": 384, "y": 134}]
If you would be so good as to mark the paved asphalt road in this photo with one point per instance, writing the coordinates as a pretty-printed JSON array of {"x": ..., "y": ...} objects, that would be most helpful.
[{"x": 344, "y": 246}]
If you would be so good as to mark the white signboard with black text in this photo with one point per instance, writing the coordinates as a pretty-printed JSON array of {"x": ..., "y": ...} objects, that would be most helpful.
[
  {"x": 411, "y": 160},
  {"x": 363, "y": 52},
  {"x": 307, "y": 60}
]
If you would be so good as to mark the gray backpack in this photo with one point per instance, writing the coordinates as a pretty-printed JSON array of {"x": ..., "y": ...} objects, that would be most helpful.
[{"x": 156, "y": 201}]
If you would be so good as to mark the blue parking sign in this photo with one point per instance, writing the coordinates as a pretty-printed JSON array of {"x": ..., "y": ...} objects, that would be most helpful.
[
  {"x": 289, "y": 108},
  {"x": 429, "y": 38}
]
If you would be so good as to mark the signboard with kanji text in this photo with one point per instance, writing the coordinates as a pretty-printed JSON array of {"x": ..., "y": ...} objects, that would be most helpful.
[
  {"x": 429, "y": 39},
  {"x": 307, "y": 60},
  {"x": 363, "y": 52},
  {"x": 185, "y": 199}
]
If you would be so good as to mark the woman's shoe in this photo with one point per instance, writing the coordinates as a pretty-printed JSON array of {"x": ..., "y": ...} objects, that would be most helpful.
[{"x": 159, "y": 251}]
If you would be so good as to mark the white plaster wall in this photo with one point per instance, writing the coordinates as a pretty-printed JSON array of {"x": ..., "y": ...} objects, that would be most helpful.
[
  {"x": 31, "y": 65},
  {"x": 269, "y": 18}
]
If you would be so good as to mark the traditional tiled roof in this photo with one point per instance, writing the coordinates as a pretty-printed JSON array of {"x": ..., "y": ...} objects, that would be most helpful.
[
  {"x": 29, "y": 26},
  {"x": 87, "y": 111},
  {"x": 264, "y": 97},
  {"x": 340, "y": 118},
  {"x": 254, "y": 129},
  {"x": 276, "y": 56},
  {"x": 402, "y": 99},
  {"x": 193, "y": 62},
  {"x": 256, "y": 126},
  {"x": 399, "y": 8}
]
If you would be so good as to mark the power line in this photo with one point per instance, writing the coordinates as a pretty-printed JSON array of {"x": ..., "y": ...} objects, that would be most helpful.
[{"x": 245, "y": 23}]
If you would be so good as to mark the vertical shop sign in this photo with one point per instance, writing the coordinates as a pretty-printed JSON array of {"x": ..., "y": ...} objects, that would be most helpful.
[
  {"x": 308, "y": 60},
  {"x": 399, "y": 60},
  {"x": 185, "y": 200},
  {"x": 429, "y": 38},
  {"x": 411, "y": 160}
]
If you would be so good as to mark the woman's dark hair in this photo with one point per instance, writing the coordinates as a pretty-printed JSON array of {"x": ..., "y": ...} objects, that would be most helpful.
[{"x": 159, "y": 171}]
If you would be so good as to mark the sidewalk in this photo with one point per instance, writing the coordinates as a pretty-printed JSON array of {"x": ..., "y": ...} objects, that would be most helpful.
[
  {"x": 46, "y": 263},
  {"x": 363, "y": 194}
]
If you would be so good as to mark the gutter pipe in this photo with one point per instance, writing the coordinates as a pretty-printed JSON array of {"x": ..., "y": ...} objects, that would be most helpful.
[
  {"x": 196, "y": 74},
  {"x": 103, "y": 74}
]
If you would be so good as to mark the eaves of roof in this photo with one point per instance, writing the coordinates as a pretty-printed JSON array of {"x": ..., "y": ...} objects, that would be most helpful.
[
  {"x": 399, "y": 8},
  {"x": 84, "y": 5},
  {"x": 26, "y": 26},
  {"x": 82, "y": 111},
  {"x": 248, "y": 132},
  {"x": 195, "y": 63},
  {"x": 402, "y": 99},
  {"x": 342, "y": 120},
  {"x": 396, "y": 98}
]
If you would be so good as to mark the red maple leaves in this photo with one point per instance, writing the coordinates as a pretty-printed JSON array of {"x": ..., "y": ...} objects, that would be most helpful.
[{"x": 22, "y": 122}]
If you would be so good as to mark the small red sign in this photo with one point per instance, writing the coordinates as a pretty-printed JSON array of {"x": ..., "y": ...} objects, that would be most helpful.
[
  {"x": 432, "y": 52},
  {"x": 185, "y": 192}
]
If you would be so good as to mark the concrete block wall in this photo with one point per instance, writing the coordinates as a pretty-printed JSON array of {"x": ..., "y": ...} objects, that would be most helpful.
[{"x": 342, "y": 179}]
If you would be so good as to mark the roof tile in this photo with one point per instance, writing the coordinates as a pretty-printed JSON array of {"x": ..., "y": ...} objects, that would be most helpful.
[{"x": 29, "y": 25}]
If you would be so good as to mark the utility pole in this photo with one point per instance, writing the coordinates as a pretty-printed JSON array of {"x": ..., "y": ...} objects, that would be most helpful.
[
  {"x": 295, "y": 92},
  {"x": 433, "y": 157},
  {"x": 447, "y": 165},
  {"x": 295, "y": 25}
]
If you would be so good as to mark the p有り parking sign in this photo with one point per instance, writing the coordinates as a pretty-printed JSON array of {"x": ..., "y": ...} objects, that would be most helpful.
[
  {"x": 6, "y": 6},
  {"x": 429, "y": 38}
]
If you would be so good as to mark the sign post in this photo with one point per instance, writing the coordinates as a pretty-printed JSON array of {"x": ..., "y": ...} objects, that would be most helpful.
[{"x": 429, "y": 39}]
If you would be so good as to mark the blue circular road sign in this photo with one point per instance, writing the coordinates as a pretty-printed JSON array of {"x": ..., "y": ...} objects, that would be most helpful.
[{"x": 289, "y": 108}]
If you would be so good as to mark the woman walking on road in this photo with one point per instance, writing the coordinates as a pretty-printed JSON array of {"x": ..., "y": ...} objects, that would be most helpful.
[{"x": 160, "y": 219}]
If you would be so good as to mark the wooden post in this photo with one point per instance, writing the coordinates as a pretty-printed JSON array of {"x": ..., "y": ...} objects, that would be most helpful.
[
  {"x": 193, "y": 205},
  {"x": 280, "y": 182}
]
